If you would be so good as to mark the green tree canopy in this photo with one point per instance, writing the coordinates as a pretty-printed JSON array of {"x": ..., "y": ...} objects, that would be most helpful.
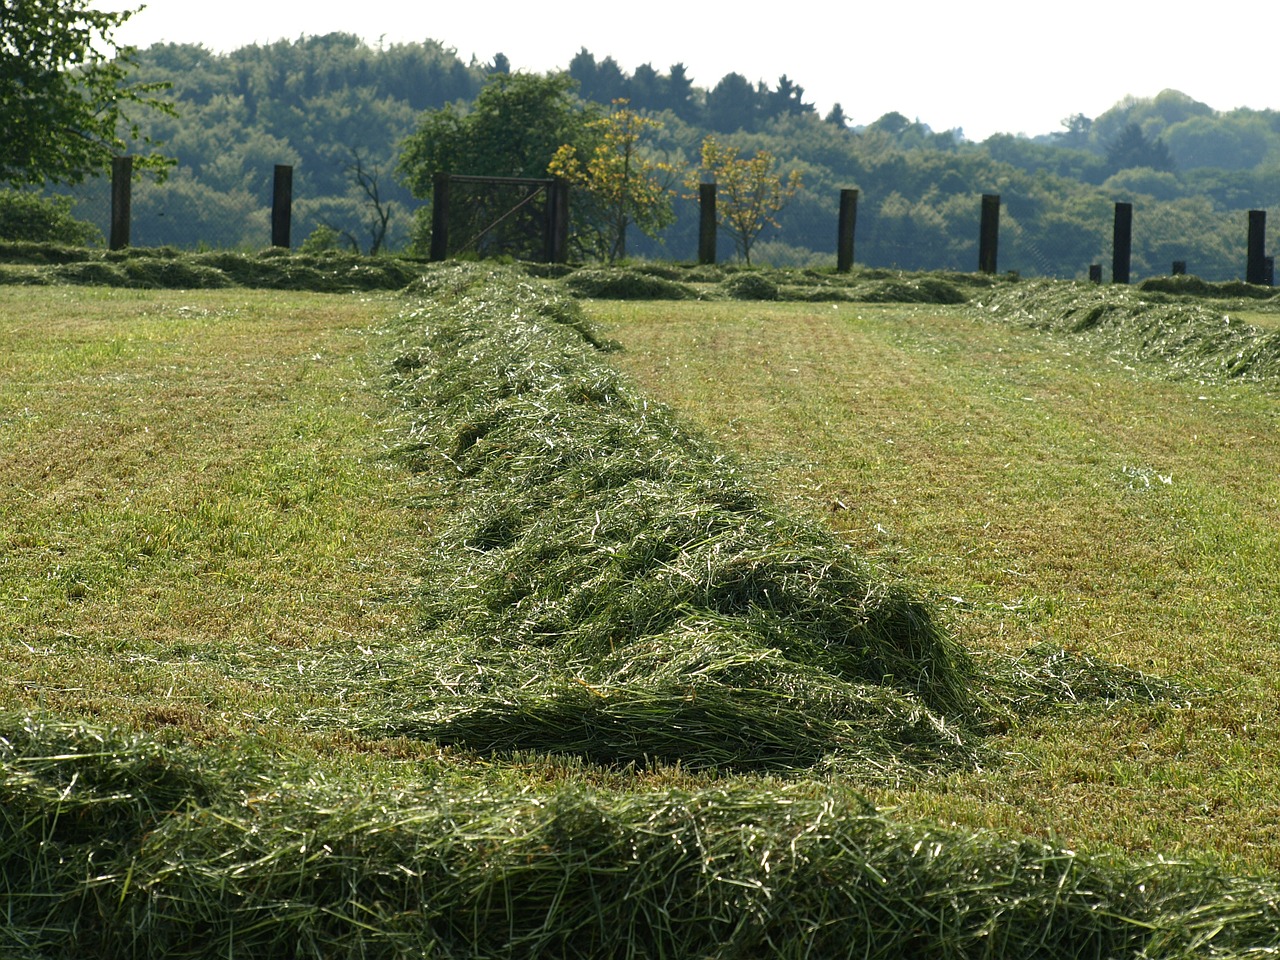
[
  {"x": 65, "y": 92},
  {"x": 513, "y": 129},
  {"x": 621, "y": 183},
  {"x": 36, "y": 219},
  {"x": 1132, "y": 149}
]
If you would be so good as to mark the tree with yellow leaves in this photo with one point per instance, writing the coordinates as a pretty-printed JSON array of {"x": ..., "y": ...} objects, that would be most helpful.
[
  {"x": 620, "y": 183},
  {"x": 750, "y": 192}
]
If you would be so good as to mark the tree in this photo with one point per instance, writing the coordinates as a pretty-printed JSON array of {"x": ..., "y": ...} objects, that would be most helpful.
[
  {"x": 680, "y": 98},
  {"x": 65, "y": 95},
  {"x": 623, "y": 186},
  {"x": 749, "y": 191},
  {"x": 1234, "y": 141},
  {"x": 27, "y": 216},
  {"x": 513, "y": 129},
  {"x": 1132, "y": 149},
  {"x": 734, "y": 104},
  {"x": 787, "y": 99},
  {"x": 366, "y": 176},
  {"x": 1075, "y": 132}
]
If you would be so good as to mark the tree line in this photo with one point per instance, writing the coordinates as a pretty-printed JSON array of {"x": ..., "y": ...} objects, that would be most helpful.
[{"x": 345, "y": 114}]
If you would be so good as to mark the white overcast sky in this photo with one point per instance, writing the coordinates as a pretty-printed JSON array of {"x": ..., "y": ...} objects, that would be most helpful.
[{"x": 998, "y": 66}]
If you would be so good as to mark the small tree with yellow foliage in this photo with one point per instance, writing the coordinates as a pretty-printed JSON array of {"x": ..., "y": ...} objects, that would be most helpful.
[
  {"x": 750, "y": 192},
  {"x": 620, "y": 183}
]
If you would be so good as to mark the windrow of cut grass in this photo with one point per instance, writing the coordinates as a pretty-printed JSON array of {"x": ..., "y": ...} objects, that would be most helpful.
[
  {"x": 115, "y": 845},
  {"x": 165, "y": 268},
  {"x": 1187, "y": 335},
  {"x": 281, "y": 838},
  {"x": 42, "y": 264},
  {"x": 607, "y": 584}
]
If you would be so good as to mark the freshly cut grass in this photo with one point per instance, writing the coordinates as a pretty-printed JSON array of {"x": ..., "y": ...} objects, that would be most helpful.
[
  {"x": 1046, "y": 494},
  {"x": 588, "y": 533},
  {"x": 1186, "y": 336},
  {"x": 247, "y": 826},
  {"x": 194, "y": 487},
  {"x": 623, "y": 284},
  {"x": 165, "y": 268},
  {"x": 115, "y": 845}
]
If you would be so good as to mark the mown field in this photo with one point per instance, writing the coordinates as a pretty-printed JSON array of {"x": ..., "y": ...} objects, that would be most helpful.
[
  {"x": 421, "y": 624},
  {"x": 1041, "y": 491}
]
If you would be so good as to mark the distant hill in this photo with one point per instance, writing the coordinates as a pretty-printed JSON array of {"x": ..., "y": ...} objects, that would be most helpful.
[{"x": 337, "y": 109}]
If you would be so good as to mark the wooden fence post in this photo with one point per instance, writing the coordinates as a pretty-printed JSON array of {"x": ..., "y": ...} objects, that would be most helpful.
[
  {"x": 1179, "y": 268},
  {"x": 439, "y": 217},
  {"x": 989, "y": 233},
  {"x": 848, "y": 221},
  {"x": 557, "y": 221},
  {"x": 1256, "y": 267},
  {"x": 707, "y": 223},
  {"x": 1095, "y": 273},
  {"x": 1122, "y": 243},
  {"x": 121, "y": 201},
  {"x": 282, "y": 206}
]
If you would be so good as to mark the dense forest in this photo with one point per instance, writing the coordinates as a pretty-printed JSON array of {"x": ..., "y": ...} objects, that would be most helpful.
[{"x": 339, "y": 110}]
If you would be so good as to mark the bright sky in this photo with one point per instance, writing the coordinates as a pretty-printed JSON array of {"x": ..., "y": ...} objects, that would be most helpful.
[{"x": 1002, "y": 66}]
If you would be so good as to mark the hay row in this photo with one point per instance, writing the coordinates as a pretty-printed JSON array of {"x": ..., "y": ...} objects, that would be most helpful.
[
  {"x": 118, "y": 846},
  {"x": 619, "y": 587},
  {"x": 1188, "y": 337}
]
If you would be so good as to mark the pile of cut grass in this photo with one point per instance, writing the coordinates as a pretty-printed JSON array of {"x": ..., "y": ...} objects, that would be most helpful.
[
  {"x": 119, "y": 846},
  {"x": 1192, "y": 286},
  {"x": 1186, "y": 336},
  {"x": 616, "y": 283},
  {"x": 343, "y": 272},
  {"x": 166, "y": 268},
  {"x": 607, "y": 584}
]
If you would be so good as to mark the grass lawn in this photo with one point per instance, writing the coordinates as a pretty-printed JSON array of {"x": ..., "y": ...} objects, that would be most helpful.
[{"x": 1040, "y": 492}]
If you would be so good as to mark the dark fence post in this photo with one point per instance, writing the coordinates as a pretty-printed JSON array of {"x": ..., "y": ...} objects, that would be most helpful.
[
  {"x": 1122, "y": 243},
  {"x": 989, "y": 233},
  {"x": 1256, "y": 268},
  {"x": 282, "y": 206},
  {"x": 439, "y": 216},
  {"x": 121, "y": 201},
  {"x": 557, "y": 222},
  {"x": 707, "y": 223},
  {"x": 1179, "y": 268},
  {"x": 1095, "y": 273},
  {"x": 848, "y": 221}
]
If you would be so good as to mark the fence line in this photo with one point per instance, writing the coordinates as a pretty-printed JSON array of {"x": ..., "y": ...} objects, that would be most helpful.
[{"x": 1259, "y": 267}]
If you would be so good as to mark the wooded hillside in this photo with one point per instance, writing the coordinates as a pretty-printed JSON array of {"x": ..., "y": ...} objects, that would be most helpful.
[{"x": 338, "y": 110}]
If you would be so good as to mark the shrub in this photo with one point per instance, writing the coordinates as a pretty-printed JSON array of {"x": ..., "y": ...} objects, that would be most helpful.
[
  {"x": 27, "y": 216},
  {"x": 323, "y": 239}
]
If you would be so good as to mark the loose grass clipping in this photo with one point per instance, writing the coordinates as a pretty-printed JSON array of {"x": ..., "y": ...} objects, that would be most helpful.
[
  {"x": 116, "y": 846},
  {"x": 609, "y": 584}
]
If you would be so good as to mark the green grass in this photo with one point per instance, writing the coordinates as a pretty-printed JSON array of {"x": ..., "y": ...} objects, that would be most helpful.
[
  {"x": 382, "y": 627},
  {"x": 193, "y": 482},
  {"x": 1042, "y": 490}
]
